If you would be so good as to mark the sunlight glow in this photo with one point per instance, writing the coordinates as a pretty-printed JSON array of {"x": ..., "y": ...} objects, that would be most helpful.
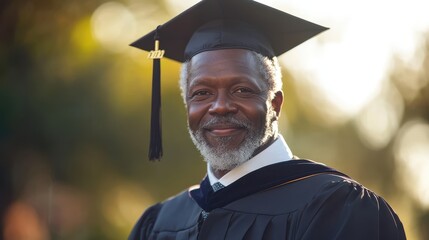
[
  {"x": 114, "y": 26},
  {"x": 349, "y": 62},
  {"x": 379, "y": 120},
  {"x": 412, "y": 155}
]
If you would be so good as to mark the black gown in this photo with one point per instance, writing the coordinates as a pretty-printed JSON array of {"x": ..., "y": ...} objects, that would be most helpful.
[{"x": 297, "y": 199}]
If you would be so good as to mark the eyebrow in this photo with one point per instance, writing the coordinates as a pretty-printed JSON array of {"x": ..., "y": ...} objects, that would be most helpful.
[
  {"x": 235, "y": 79},
  {"x": 196, "y": 81}
]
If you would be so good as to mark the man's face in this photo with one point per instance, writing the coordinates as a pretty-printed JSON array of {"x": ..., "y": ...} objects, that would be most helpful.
[{"x": 229, "y": 113}]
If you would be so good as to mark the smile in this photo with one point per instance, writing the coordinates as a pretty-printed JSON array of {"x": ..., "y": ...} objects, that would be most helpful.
[{"x": 224, "y": 130}]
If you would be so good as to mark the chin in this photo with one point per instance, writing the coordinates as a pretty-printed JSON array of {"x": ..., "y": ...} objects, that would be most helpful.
[
  {"x": 224, "y": 143},
  {"x": 221, "y": 155}
]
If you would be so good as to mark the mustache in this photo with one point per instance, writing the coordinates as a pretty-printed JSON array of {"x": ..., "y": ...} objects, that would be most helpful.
[{"x": 230, "y": 120}]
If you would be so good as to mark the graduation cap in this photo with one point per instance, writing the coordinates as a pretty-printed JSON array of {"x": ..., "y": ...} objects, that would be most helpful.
[{"x": 219, "y": 24}]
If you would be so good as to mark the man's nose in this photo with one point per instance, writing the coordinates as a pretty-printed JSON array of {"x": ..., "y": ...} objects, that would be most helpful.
[{"x": 223, "y": 104}]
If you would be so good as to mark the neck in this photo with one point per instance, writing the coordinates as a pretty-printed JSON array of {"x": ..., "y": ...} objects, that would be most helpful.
[{"x": 219, "y": 173}]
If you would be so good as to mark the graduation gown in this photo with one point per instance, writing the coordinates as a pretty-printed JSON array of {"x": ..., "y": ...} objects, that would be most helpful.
[{"x": 296, "y": 199}]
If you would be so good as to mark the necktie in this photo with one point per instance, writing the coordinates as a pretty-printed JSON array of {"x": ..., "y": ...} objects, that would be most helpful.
[{"x": 217, "y": 186}]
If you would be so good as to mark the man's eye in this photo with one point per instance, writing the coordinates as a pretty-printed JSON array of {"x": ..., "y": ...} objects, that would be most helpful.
[
  {"x": 200, "y": 93},
  {"x": 243, "y": 90}
]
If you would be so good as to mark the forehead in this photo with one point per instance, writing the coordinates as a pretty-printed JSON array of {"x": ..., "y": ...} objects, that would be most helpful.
[{"x": 224, "y": 63}]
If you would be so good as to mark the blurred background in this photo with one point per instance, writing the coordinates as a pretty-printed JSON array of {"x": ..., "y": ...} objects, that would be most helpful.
[{"x": 75, "y": 104}]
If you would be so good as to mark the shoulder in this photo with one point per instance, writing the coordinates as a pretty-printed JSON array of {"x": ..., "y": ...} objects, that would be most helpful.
[
  {"x": 346, "y": 209},
  {"x": 163, "y": 216},
  {"x": 326, "y": 206},
  {"x": 343, "y": 192},
  {"x": 287, "y": 197}
]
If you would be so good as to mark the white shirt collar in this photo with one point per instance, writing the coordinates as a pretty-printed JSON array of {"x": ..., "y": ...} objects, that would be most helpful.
[{"x": 277, "y": 152}]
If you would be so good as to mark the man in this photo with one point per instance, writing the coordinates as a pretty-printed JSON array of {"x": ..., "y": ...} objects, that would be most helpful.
[{"x": 255, "y": 188}]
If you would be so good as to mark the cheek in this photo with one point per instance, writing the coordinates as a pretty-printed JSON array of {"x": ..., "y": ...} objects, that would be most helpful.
[
  {"x": 261, "y": 115},
  {"x": 195, "y": 113},
  {"x": 256, "y": 113}
]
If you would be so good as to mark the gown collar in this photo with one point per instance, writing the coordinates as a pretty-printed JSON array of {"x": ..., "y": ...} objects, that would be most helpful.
[{"x": 264, "y": 178}]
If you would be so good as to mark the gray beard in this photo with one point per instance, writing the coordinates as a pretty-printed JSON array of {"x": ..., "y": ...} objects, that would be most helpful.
[{"x": 223, "y": 157}]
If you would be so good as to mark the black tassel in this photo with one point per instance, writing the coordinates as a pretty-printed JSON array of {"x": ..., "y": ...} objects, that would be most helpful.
[{"x": 155, "y": 147}]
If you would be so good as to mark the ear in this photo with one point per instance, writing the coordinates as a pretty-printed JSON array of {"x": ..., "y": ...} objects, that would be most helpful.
[{"x": 277, "y": 102}]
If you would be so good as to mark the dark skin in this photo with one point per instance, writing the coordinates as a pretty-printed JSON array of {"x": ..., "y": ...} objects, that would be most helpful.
[{"x": 228, "y": 82}]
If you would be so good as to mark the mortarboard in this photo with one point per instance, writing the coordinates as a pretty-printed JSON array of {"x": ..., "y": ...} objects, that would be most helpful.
[{"x": 219, "y": 24}]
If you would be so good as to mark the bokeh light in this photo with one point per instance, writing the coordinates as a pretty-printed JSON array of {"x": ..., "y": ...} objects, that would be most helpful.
[
  {"x": 412, "y": 154},
  {"x": 114, "y": 26},
  {"x": 379, "y": 121}
]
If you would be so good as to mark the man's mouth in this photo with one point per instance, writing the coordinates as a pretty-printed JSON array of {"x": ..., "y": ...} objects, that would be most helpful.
[{"x": 223, "y": 130}]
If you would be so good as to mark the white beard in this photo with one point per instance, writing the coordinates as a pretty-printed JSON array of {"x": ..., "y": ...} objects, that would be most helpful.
[{"x": 223, "y": 157}]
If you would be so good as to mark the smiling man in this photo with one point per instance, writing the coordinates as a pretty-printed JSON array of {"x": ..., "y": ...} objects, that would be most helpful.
[
  {"x": 255, "y": 188},
  {"x": 231, "y": 113}
]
